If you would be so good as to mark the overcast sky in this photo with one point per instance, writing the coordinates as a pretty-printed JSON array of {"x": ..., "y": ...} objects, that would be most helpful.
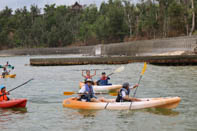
[{"x": 14, "y": 4}]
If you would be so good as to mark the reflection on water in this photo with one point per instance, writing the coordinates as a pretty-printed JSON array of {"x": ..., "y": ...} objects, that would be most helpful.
[
  {"x": 161, "y": 111},
  {"x": 127, "y": 113},
  {"x": 87, "y": 113},
  {"x": 11, "y": 115}
]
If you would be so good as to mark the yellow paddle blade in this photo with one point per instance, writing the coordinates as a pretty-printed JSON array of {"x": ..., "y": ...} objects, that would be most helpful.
[
  {"x": 144, "y": 68},
  {"x": 113, "y": 94},
  {"x": 69, "y": 93},
  {"x": 120, "y": 69}
]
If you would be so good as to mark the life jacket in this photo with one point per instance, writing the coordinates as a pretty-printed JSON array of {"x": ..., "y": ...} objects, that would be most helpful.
[
  {"x": 3, "y": 97},
  {"x": 90, "y": 94},
  {"x": 88, "y": 77},
  {"x": 103, "y": 81},
  {"x": 119, "y": 97}
]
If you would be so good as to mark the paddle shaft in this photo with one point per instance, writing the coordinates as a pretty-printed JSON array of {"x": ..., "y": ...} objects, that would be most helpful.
[
  {"x": 19, "y": 86},
  {"x": 137, "y": 86},
  {"x": 143, "y": 70},
  {"x": 110, "y": 74}
]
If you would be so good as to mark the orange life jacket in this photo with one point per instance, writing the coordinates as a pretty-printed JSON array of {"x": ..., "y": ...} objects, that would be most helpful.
[{"x": 3, "y": 97}]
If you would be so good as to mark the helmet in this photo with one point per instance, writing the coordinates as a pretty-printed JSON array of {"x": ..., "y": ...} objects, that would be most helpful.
[
  {"x": 125, "y": 85},
  {"x": 1, "y": 87}
]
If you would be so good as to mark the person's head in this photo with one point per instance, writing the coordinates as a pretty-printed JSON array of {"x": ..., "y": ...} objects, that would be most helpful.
[
  {"x": 103, "y": 74},
  {"x": 87, "y": 72},
  {"x": 126, "y": 85},
  {"x": 7, "y": 63},
  {"x": 89, "y": 82},
  {"x": 2, "y": 88},
  {"x": 4, "y": 68}
]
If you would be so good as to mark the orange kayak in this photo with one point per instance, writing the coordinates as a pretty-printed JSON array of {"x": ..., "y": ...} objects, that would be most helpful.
[
  {"x": 9, "y": 76},
  {"x": 13, "y": 103},
  {"x": 166, "y": 102}
]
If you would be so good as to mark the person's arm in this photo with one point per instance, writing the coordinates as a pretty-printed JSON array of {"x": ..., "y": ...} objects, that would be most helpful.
[
  {"x": 83, "y": 74},
  {"x": 134, "y": 86},
  {"x": 130, "y": 98},
  {"x": 82, "y": 91},
  {"x": 126, "y": 97},
  {"x": 94, "y": 73}
]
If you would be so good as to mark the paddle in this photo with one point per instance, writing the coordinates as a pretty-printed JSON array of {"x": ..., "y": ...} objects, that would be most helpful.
[
  {"x": 120, "y": 69},
  {"x": 142, "y": 73},
  {"x": 19, "y": 86},
  {"x": 71, "y": 93}
]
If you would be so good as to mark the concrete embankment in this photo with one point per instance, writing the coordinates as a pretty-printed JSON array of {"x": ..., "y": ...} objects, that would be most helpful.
[
  {"x": 157, "y": 60},
  {"x": 133, "y": 48},
  {"x": 48, "y": 51}
]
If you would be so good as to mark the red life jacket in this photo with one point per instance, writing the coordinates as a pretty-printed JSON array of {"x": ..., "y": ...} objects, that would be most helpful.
[
  {"x": 103, "y": 78},
  {"x": 88, "y": 77},
  {"x": 3, "y": 97}
]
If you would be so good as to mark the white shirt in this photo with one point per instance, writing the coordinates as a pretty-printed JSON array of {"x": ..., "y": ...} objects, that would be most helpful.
[{"x": 123, "y": 93}]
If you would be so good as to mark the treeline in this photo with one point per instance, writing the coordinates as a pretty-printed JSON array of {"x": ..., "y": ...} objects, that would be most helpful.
[{"x": 114, "y": 21}]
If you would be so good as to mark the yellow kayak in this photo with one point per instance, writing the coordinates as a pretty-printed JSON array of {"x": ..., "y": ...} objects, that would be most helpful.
[{"x": 8, "y": 76}]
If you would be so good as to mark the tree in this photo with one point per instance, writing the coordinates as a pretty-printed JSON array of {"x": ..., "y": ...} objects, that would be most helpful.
[{"x": 193, "y": 18}]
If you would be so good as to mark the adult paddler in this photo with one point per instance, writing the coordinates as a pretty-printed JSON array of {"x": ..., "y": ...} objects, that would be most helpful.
[
  {"x": 123, "y": 94},
  {"x": 86, "y": 93}
]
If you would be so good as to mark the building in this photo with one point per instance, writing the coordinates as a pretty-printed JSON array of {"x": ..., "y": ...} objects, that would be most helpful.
[{"x": 77, "y": 6}]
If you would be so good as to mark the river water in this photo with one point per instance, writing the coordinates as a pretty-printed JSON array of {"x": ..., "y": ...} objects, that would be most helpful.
[{"x": 44, "y": 110}]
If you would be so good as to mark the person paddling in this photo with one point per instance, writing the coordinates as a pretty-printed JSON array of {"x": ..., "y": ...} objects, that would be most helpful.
[
  {"x": 86, "y": 93},
  {"x": 7, "y": 63},
  {"x": 103, "y": 80},
  {"x": 3, "y": 93},
  {"x": 123, "y": 94},
  {"x": 88, "y": 75},
  {"x": 5, "y": 72}
]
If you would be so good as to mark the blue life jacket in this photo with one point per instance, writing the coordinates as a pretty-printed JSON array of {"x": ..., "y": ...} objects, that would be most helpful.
[
  {"x": 90, "y": 94},
  {"x": 103, "y": 81},
  {"x": 119, "y": 97}
]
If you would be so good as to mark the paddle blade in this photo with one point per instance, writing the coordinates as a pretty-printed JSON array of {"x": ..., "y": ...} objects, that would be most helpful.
[
  {"x": 113, "y": 94},
  {"x": 120, "y": 69},
  {"x": 144, "y": 68},
  {"x": 69, "y": 93}
]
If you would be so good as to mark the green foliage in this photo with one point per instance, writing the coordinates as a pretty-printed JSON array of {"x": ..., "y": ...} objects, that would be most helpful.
[{"x": 114, "y": 20}]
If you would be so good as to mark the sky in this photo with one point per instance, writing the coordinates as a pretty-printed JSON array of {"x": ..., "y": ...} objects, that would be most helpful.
[{"x": 14, "y": 4}]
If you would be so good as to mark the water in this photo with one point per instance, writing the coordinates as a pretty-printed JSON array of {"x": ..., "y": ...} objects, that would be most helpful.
[{"x": 45, "y": 95}]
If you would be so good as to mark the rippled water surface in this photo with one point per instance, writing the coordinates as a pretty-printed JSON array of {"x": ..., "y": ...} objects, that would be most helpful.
[{"x": 45, "y": 95}]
